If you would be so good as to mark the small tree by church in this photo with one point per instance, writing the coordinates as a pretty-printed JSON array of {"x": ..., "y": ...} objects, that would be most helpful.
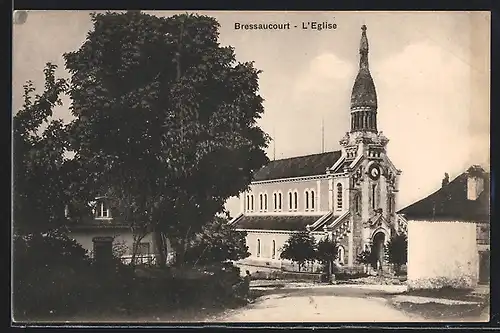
[
  {"x": 326, "y": 253},
  {"x": 299, "y": 248},
  {"x": 366, "y": 258},
  {"x": 397, "y": 251}
]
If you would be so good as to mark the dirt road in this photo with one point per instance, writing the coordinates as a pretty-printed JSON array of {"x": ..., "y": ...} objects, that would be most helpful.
[{"x": 321, "y": 304}]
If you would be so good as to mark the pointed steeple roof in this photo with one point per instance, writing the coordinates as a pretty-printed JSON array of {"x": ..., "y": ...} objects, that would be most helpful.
[{"x": 363, "y": 91}]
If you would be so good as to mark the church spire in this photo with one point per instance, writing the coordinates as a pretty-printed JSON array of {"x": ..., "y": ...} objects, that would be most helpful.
[
  {"x": 364, "y": 95},
  {"x": 363, "y": 49}
]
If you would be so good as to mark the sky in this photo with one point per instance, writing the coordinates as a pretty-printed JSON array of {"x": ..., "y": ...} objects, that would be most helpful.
[{"x": 431, "y": 72}]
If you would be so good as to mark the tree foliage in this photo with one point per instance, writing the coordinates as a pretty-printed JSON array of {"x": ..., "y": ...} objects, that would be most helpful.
[
  {"x": 326, "y": 250},
  {"x": 218, "y": 242},
  {"x": 366, "y": 257},
  {"x": 300, "y": 248},
  {"x": 167, "y": 116},
  {"x": 41, "y": 179},
  {"x": 397, "y": 251}
]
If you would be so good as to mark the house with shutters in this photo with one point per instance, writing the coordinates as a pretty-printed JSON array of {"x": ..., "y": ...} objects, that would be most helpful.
[
  {"x": 347, "y": 195},
  {"x": 104, "y": 228}
]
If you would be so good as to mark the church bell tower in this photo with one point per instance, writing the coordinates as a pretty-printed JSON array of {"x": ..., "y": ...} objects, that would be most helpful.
[
  {"x": 364, "y": 96},
  {"x": 372, "y": 176},
  {"x": 364, "y": 137}
]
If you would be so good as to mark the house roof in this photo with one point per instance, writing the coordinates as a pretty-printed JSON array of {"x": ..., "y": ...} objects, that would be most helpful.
[
  {"x": 275, "y": 222},
  {"x": 309, "y": 165},
  {"x": 450, "y": 203}
]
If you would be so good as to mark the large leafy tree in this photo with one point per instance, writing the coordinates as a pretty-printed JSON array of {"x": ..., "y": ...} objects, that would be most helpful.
[
  {"x": 300, "y": 247},
  {"x": 397, "y": 251},
  {"x": 41, "y": 180},
  {"x": 218, "y": 242},
  {"x": 166, "y": 117}
]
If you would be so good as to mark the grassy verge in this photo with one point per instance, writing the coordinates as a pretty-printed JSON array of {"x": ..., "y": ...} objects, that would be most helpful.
[
  {"x": 446, "y": 312},
  {"x": 127, "y": 298},
  {"x": 448, "y": 293},
  {"x": 441, "y": 311},
  {"x": 199, "y": 310}
]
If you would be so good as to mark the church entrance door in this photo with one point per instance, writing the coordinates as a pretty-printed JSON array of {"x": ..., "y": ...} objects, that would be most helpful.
[{"x": 378, "y": 249}]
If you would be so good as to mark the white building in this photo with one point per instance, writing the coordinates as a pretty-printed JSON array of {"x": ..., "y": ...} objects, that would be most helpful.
[{"x": 448, "y": 234}]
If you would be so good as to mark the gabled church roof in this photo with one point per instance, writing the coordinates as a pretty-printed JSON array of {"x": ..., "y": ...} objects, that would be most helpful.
[
  {"x": 301, "y": 166},
  {"x": 450, "y": 203}
]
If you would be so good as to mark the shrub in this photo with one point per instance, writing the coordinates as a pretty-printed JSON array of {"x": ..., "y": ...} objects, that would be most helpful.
[
  {"x": 397, "y": 251},
  {"x": 54, "y": 275},
  {"x": 48, "y": 273}
]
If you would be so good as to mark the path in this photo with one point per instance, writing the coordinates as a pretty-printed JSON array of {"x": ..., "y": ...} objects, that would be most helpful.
[{"x": 321, "y": 304}]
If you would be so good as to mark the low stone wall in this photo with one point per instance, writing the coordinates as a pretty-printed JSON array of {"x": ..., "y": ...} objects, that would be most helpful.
[
  {"x": 290, "y": 276},
  {"x": 270, "y": 272},
  {"x": 280, "y": 265}
]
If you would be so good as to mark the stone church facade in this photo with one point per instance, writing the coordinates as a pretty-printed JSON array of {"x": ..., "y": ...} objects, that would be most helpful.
[{"x": 349, "y": 195}]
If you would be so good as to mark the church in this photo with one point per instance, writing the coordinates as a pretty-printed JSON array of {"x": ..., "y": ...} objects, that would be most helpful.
[{"x": 349, "y": 195}]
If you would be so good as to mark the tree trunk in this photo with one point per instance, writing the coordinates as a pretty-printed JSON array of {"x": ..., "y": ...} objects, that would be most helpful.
[
  {"x": 181, "y": 248},
  {"x": 161, "y": 249},
  {"x": 180, "y": 251}
]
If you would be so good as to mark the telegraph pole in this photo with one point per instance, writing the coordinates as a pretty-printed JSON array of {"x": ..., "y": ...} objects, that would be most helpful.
[{"x": 322, "y": 134}]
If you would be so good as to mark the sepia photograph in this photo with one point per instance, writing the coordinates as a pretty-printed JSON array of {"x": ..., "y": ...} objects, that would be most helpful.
[{"x": 250, "y": 167}]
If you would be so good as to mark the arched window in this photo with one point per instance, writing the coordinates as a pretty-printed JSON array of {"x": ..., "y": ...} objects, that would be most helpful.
[
  {"x": 312, "y": 200},
  {"x": 252, "y": 206},
  {"x": 290, "y": 200},
  {"x": 340, "y": 254},
  {"x": 280, "y": 200},
  {"x": 357, "y": 203},
  {"x": 261, "y": 206},
  {"x": 265, "y": 202},
  {"x": 275, "y": 200},
  {"x": 296, "y": 200},
  {"x": 339, "y": 196},
  {"x": 258, "y": 247},
  {"x": 248, "y": 202},
  {"x": 307, "y": 200},
  {"x": 273, "y": 254}
]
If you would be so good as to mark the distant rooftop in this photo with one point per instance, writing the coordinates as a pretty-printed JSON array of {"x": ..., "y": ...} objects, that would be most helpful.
[{"x": 450, "y": 202}]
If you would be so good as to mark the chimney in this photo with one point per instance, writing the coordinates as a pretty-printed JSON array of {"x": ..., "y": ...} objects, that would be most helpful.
[
  {"x": 446, "y": 180},
  {"x": 475, "y": 182}
]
